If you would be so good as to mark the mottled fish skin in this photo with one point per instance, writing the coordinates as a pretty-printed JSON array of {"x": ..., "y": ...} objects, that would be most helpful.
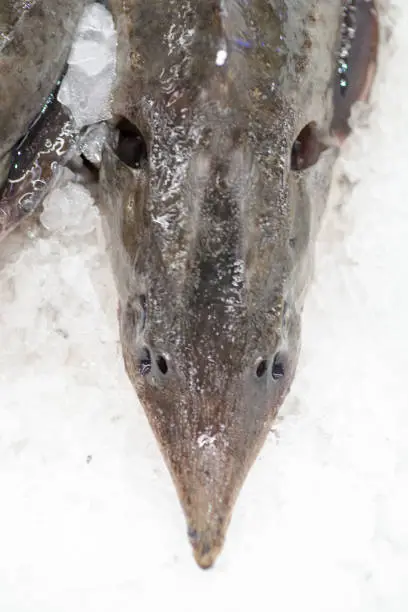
[
  {"x": 213, "y": 191},
  {"x": 211, "y": 231},
  {"x": 35, "y": 164},
  {"x": 35, "y": 39}
]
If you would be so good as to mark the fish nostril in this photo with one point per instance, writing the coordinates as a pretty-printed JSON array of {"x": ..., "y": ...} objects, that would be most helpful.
[
  {"x": 278, "y": 366},
  {"x": 162, "y": 364},
  {"x": 145, "y": 362},
  {"x": 147, "y": 359},
  {"x": 261, "y": 368}
]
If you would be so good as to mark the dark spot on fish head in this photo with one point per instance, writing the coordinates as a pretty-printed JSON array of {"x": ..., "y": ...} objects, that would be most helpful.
[{"x": 192, "y": 534}]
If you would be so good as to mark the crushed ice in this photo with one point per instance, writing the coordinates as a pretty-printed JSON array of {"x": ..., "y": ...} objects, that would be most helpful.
[
  {"x": 69, "y": 208},
  {"x": 92, "y": 64}
]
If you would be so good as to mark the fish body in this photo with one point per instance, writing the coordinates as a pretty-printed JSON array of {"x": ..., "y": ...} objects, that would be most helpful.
[
  {"x": 35, "y": 39},
  {"x": 227, "y": 120},
  {"x": 213, "y": 185}
]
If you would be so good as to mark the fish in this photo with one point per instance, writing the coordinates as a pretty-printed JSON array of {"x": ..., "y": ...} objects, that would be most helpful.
[
  {"x": 36, "y": 131},
  {"x": 228, "y": 117}
]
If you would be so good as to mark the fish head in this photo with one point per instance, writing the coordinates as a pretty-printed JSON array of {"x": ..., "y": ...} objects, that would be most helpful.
[
  {"x": 212, "y": 200},
  {"x": 211, "y": 361}
]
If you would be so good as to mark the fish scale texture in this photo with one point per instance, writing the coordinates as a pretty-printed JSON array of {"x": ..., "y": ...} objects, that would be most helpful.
[{"x": 89, "y": 520}]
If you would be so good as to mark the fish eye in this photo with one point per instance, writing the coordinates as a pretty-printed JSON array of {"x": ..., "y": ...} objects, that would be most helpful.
[
  {"x": 278, "y": 366},
  {"x": 131, "y": 147},
  {"x": 145, "y": 362},
  {"x": 162, "y": 364},
  {"x": 306, "y": 149},
  {"x": 261, "y": 368}
]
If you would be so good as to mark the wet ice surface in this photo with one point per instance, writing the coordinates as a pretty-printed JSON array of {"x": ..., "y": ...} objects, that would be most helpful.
[
  {"x": 91, "y": 67},
  {"x": 89, "y": 519}
]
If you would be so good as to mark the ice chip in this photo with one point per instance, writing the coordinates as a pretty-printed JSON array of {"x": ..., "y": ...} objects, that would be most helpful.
[
  {"x": 86, "y": 87},
  {"x": 69, "y": 209}
]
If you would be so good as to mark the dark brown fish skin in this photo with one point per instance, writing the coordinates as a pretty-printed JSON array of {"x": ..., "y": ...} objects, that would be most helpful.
[
  {"x": 35, "y": 165},
  {"x": 35, "y": 39},
  {"x": 212, "y": 237}
]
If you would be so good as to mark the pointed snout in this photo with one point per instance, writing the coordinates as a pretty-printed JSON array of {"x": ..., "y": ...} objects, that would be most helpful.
[
  {"x": 206, "y": 549},
  {"x": 207, "y": 491},
  {"x": 209, "y": 446},
  {"x": 207, "y": 507},
  {"x": 207, "y": 543}
]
